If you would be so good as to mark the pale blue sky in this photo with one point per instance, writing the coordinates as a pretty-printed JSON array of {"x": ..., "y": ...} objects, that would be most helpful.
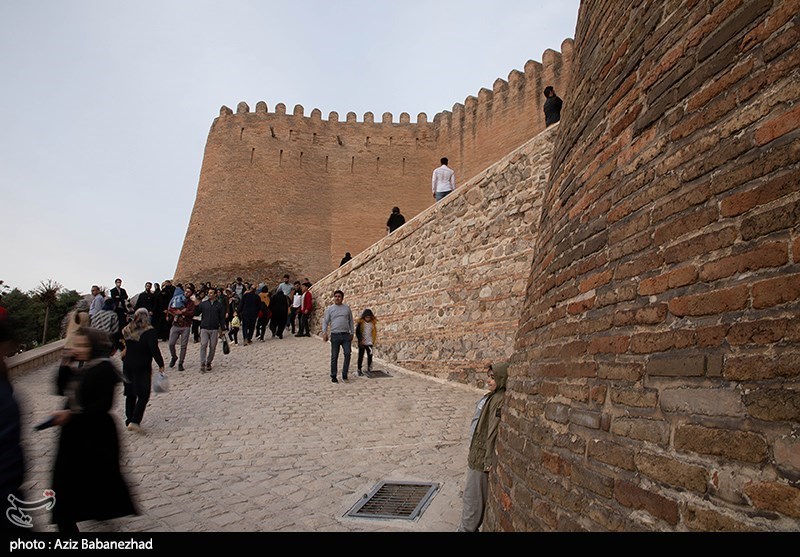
[{"x": 107, "y": 104}]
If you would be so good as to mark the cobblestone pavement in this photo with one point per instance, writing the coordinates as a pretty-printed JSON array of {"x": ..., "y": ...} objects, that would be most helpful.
[{"x": 266, "y": 443}]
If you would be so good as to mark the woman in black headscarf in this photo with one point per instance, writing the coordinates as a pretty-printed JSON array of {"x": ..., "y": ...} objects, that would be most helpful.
[
  {"x": 141, "y": 348},
  {"x": 279, "y": 310},
  {"x": 87, "y": 480}
]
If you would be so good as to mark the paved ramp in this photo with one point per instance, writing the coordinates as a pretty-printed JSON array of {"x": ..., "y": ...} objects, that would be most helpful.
[{"x": 266, "y": 443}]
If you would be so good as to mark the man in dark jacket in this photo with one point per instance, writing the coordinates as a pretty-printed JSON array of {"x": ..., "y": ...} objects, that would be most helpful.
[
  {"x": 248, "y": 311},
  {"x": 120, "y": 297},
  {"x": 481, "y": 456},
  {"x": 146, "y": 299},
  {"x": 212, "y": 323}
]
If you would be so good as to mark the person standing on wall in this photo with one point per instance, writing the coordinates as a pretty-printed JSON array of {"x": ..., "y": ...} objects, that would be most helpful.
[
  {"x": 552, "y": 106},
  {"x": 483, "y": 434},
  {"x": 443, "y": 181},
  {"x": 338, "y": 326},
  {"x": 396, "y": 220},
  {"x": 120, "y": 297}
]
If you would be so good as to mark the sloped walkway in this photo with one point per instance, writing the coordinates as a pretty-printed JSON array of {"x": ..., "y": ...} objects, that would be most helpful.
[{"x": 266, "y": 443}]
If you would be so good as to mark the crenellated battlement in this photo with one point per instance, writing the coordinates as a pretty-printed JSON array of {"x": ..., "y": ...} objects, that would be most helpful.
[
  {"x": 513, "y": 102},
  {"x": 243, "y": 108}
]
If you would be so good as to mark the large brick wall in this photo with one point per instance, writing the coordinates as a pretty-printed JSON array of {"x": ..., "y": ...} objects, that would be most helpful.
[
  {"x": 448, "y": 286},
  {"x": 294, "y": 192},
  {"x": 655, "y": 380}
]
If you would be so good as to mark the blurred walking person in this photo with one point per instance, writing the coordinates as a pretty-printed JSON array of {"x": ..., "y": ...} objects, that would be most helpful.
[
  {"x": 12, "y": 461},
  {"x": 86, "y": 477}
]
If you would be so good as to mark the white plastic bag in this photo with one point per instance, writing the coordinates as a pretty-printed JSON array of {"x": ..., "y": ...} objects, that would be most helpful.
[{"x": 160, "y": 383}]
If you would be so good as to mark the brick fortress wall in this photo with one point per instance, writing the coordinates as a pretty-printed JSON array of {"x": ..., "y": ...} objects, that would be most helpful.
[
  {"x": 655, "y": 380},
  {"x": 292, "y": 193}
]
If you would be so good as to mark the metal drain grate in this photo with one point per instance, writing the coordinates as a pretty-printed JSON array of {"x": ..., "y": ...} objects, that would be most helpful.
[
  {"x": 374, "y": 374},
  {"x": 406, "y": 500}
]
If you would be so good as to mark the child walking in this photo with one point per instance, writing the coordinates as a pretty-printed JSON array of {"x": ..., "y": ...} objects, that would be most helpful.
[
  {"x": 367, "y": 335},
  {"x": 236, "y": 323}
]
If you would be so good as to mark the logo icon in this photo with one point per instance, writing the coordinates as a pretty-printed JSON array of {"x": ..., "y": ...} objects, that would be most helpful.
[{"x": 16, "y": 513}]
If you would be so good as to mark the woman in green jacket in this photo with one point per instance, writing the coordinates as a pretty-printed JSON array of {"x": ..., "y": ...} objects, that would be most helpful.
[{"x": 483, "y": 434}]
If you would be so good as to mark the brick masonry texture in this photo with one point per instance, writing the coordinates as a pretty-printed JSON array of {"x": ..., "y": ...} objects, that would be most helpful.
[
  {"x": 639, "y": 262},
  {"x": 665, "y": 269}
]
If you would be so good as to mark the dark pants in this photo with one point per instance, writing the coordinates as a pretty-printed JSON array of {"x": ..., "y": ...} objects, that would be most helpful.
[
  {"x": 361, "y": 350},
  {"x": 293, "y": 319},
  {"x": 343, "y": 341},
  {"x": 137, "y": 395},
  {"x": 304, "y": 318},
  {"x": 248, "y": 327},
  {"x": 277, "y": 325},
  {"x": 123, "y": 319},
  {"x": 196, "y": 329},
  {"x": 233, "y": 334},
  {"x": 261, "y": 327}
]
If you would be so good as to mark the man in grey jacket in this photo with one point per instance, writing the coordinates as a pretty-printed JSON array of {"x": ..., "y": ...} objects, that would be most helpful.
[
  {"x": 338, "y": 321},
  {"x": 212, "y": 322}
]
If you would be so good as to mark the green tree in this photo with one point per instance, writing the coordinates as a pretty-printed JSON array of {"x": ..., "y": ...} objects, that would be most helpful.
[
  {"x": 23, "y": 316},
  {"x": 28, "y": 315},
  {"x": 47, "y": 293}
]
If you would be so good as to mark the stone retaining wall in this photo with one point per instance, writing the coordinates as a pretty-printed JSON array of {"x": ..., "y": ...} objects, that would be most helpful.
[
  {"x": 447, "y": 286},
  {"x": 35, "y": 358}
]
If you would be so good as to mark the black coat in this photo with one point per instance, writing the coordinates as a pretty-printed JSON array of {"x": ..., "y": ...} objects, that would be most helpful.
[
  {"x": 146, "y": 300},
  {"x": 12, "y": 465},
  {"x": 250, "y": 305},
  {"x": 87, "y": 479},
  {"x": 279, "y": 306},
  {"x": 120, "y": 297},
  {"x": 139, "y": 355}
]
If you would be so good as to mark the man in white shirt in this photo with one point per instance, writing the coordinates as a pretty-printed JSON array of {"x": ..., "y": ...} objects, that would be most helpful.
[{"x": 443, "y": 181}]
